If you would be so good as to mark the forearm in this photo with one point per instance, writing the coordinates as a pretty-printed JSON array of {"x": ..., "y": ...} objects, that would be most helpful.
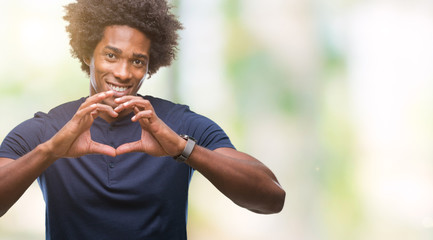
[
  {"x": 17, "y": 175},
  {"x": 243, "y": 179}
]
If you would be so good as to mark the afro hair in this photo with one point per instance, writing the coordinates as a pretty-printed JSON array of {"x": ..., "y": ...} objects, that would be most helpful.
[{"x": 88, "y": 19}]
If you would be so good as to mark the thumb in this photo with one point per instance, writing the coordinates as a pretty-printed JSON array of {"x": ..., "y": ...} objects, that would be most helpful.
[
  {"x": 100, "y": 148},
  {"x": 129, "y": 147}
]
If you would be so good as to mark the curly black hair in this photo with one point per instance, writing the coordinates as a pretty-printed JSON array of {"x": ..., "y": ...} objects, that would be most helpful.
[{"x": 88, "y": 19}]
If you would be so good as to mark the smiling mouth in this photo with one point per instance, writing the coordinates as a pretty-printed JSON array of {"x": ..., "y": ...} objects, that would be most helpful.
[{"x": 117, "y": 88}]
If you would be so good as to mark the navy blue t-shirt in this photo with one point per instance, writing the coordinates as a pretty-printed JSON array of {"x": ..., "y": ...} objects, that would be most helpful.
[{"x": 131, "y": 196}]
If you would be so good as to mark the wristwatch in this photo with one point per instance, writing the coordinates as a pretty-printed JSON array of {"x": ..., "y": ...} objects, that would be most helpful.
[{"x": 187, "y": 150}]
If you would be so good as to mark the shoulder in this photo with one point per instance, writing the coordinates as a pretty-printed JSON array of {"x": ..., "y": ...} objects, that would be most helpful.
[
  {"x": 28, "y": 134},
  {"x": 60, "y": 113},
  {"x": 63, "y": 111},
  {"x": 165, "y": 108},
  {"x": 175, "y": 113},
  {"x": 185, "y": 121}
]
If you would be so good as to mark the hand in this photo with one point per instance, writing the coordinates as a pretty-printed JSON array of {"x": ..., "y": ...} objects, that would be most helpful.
[
  {"x": 157, "y": 139},
  {"x": 74, "y": 139}
]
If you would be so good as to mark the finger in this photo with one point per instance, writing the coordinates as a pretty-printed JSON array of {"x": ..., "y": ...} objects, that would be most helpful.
[
  {"x": 97, "y": 98},
  {"x": 138, "y": 102},
  {"x": 86, "y": 110},
  {"x": 130, "y": 105},
  {"x": 105, "y": 108},
  {"x": 94, "y": 110},
  {"x": 144, "y": 119},
  {"x": 99, "y": 148},
  {"x": 122, "y": 102},
  {"x": 129, "y": 147},
  {"x": 126, "y": 98},
  {"x": 146, "y": 114}
]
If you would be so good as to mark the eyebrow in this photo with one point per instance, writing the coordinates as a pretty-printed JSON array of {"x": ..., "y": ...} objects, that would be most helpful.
[
  {"x": 139, "y": 55},
  {"x": 114, "y": 49},
  {"x": 118, "y": 51}
]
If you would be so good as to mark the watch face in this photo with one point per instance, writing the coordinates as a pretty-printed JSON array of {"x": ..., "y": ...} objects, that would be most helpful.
[{"x": 186, "y": 137}]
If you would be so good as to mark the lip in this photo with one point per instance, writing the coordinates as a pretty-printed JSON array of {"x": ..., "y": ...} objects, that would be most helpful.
[{"x": 119, "y": 90}]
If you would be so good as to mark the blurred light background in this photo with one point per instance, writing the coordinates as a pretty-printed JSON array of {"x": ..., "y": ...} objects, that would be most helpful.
[{"x": 335, "y": 96}]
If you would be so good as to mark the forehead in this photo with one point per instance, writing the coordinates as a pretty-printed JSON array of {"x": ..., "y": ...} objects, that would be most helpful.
[{"x": 125, "y": 38}]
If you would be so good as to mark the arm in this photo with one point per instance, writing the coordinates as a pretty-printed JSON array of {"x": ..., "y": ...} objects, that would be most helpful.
[
  {"x": 242, "y": 178},
  {"x": 17, "y": 175},
  {"x": 71, "y": 141}
]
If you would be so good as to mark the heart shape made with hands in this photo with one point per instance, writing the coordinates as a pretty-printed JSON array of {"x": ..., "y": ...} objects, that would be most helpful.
[
  {"x": 74, "y": 139},
  {"x": 165, "y": 144}
]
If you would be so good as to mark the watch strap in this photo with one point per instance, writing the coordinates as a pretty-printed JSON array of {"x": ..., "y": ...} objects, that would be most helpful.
[{"x": 190, "y": 143}]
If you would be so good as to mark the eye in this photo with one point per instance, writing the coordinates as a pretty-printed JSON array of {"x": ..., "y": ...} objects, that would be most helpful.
[
  {"x": 110, "y": 56},
  {"x": 138, "y": 62}
]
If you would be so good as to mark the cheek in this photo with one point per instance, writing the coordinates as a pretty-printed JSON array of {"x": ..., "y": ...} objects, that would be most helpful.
[
  {"x": 140, "y": 82},
  {"x": 144, "y": 76},
  {"x": 95, "y": 76}
]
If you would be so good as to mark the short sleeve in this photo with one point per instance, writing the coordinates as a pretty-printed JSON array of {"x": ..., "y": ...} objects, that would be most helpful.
[
  {"x": 23, "y": 138},
  {"x": 207, "y": 133},
  {"x": 182, "y": 120}
]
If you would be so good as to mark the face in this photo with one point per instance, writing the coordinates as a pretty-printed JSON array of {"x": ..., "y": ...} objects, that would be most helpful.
[{"x": 119, "y": 62}]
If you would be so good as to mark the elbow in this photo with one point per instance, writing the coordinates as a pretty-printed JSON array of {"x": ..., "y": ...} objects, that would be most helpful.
[
  {"x": 4, "y": 208},
  {"x": 274, "y": 205},
  {"x": 3, "y": 212},
  {"x": 278, "y": 203}
]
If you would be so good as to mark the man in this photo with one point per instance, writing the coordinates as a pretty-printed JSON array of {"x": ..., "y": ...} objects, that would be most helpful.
[{"x": 117, "y": 165}]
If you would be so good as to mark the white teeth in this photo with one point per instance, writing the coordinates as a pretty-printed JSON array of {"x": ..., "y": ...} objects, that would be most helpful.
[{"x": 116, "y": 88}]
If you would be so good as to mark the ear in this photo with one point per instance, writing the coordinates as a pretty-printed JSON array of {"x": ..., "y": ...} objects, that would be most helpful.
[{"x": 86, "y": 60}]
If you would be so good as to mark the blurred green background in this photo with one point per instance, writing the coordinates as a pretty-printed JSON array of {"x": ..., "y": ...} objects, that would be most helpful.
[{"x": 335, "y": 96}]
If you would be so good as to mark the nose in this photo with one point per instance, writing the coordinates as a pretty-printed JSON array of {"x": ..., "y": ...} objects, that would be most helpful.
[{"x": 122, "y": 71}]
